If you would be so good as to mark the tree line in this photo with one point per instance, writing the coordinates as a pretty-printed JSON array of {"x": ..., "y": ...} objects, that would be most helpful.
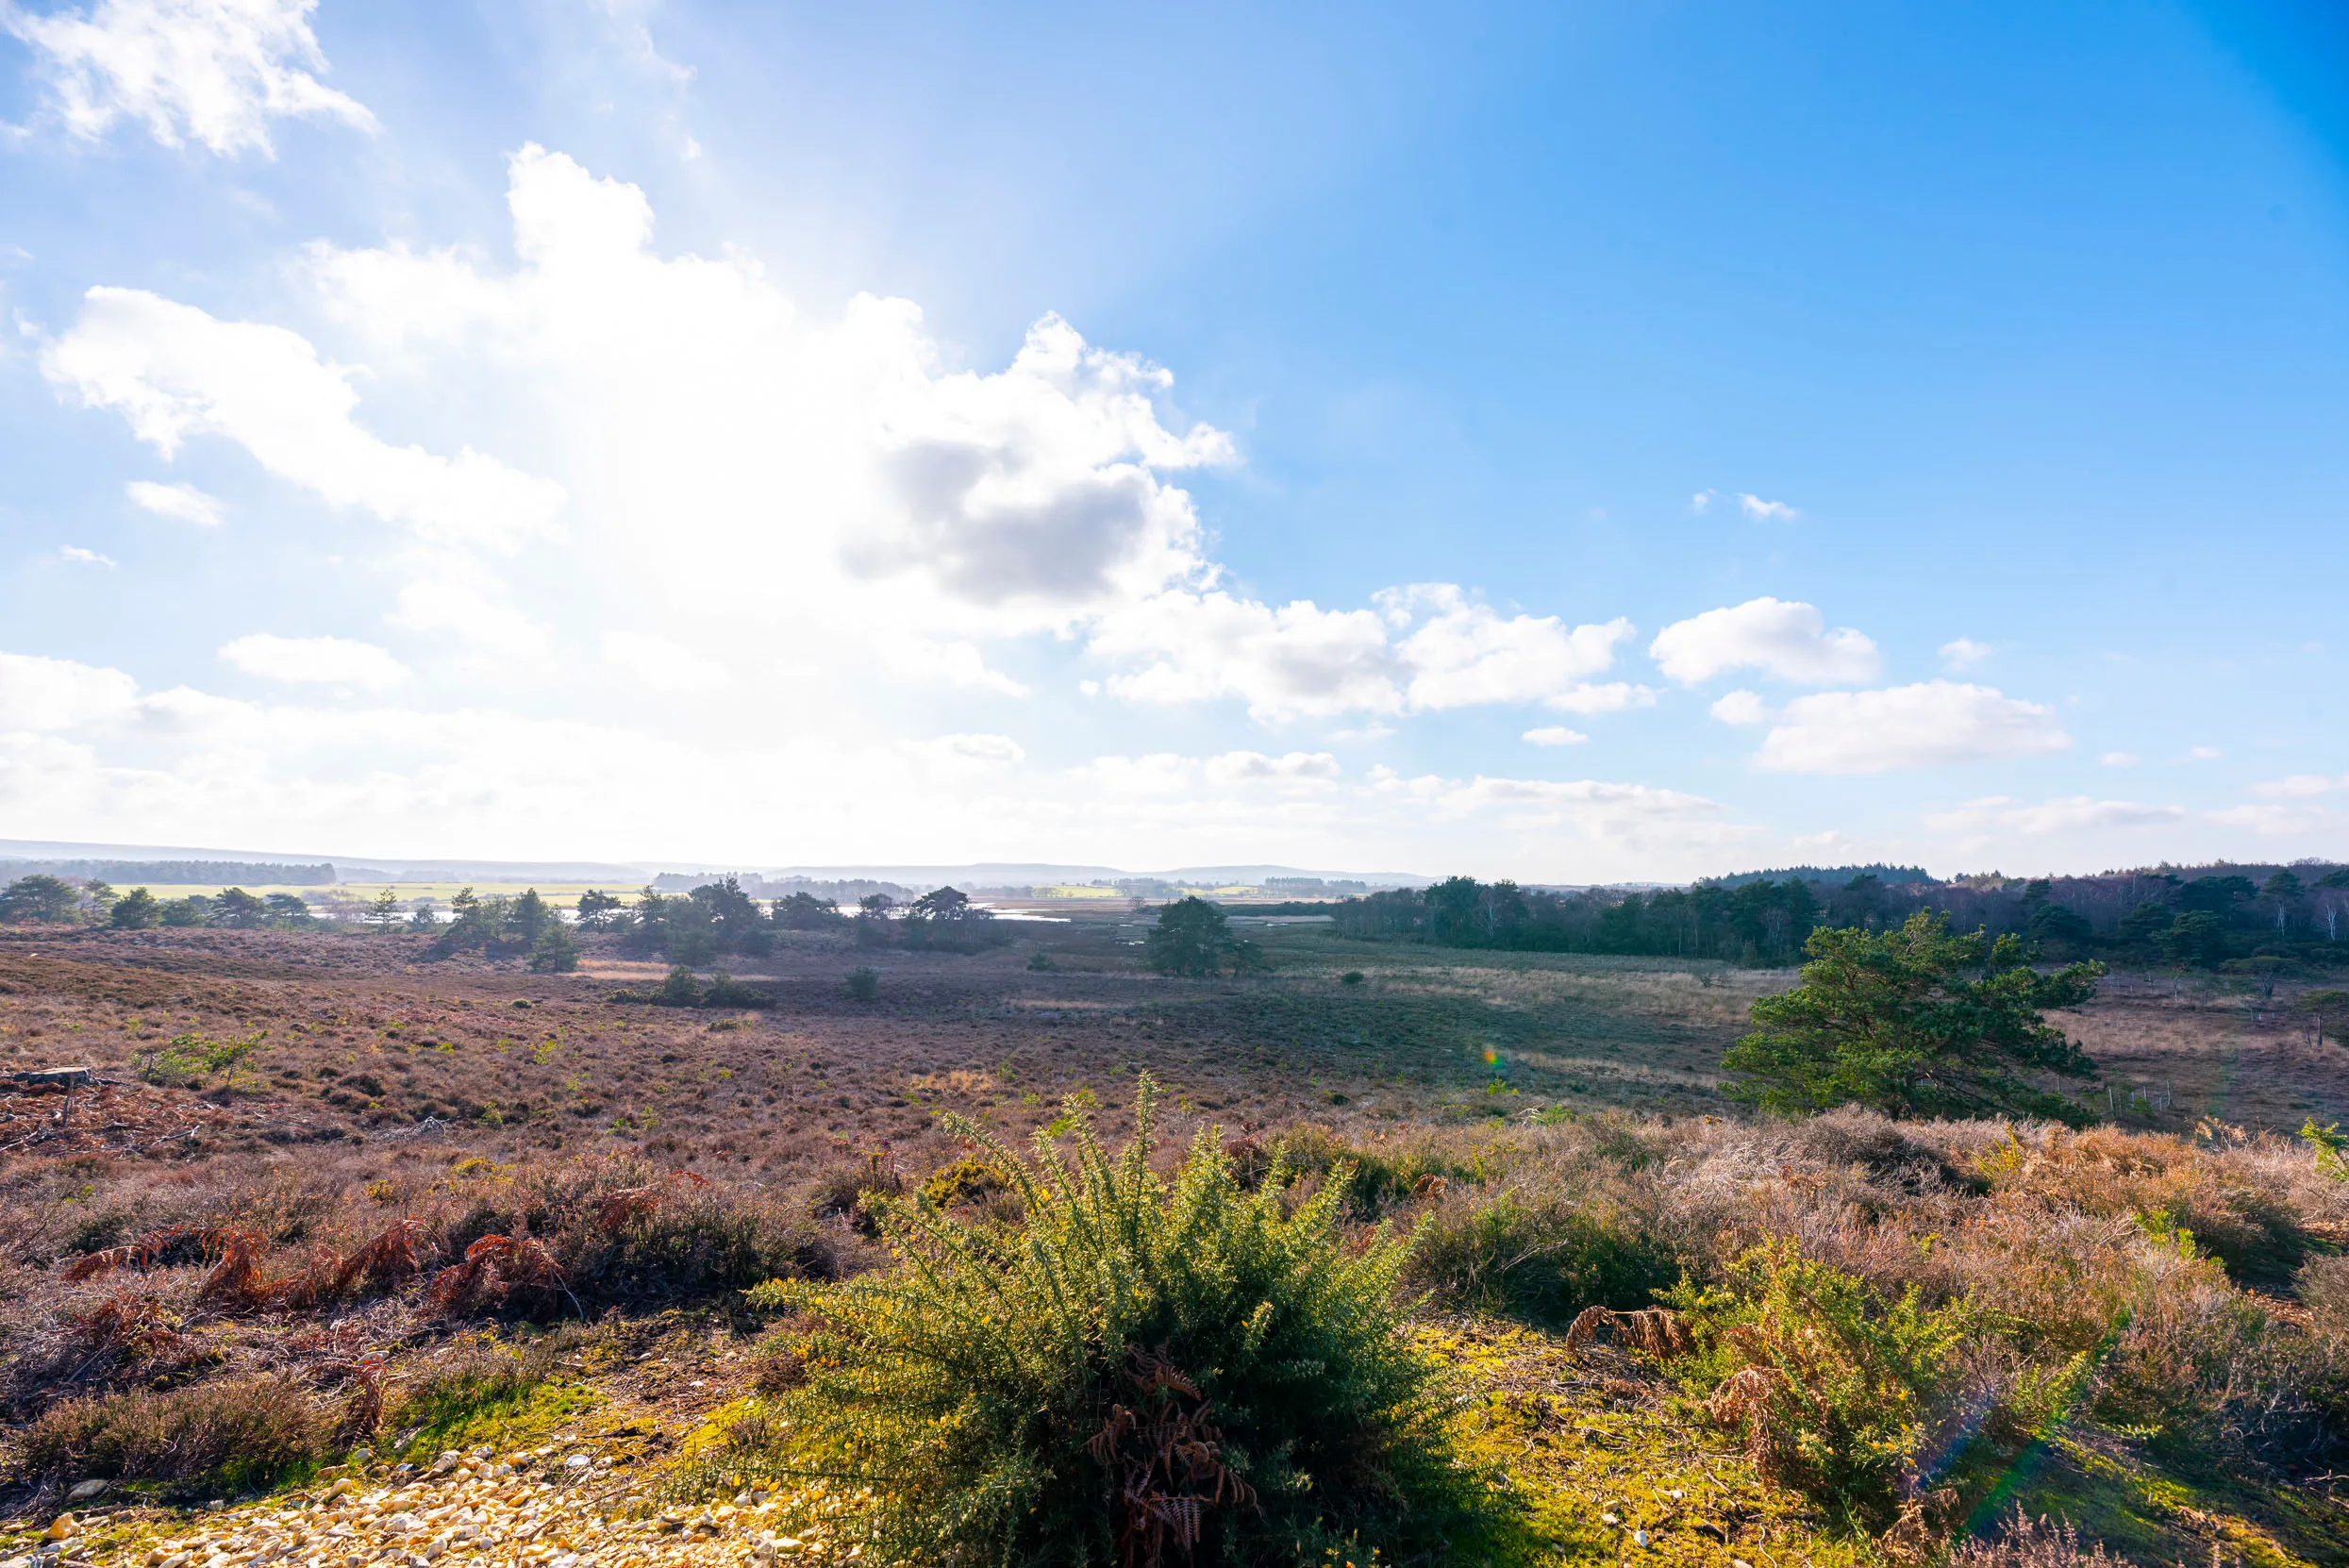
[
  {"x": 43, "y": 899},
  {"x": 2216, "y": 919}
]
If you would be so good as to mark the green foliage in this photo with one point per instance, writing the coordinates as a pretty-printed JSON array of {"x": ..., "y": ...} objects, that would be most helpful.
[
  {"x": 46, "y": 899},
  {"x": 1041, "y": 962},
  {"x": 186, "y": 1059},
  {"x": 681, "y": 990},
  {"x": 1830, "y": 1382},
  {"x": 194, "y": 910},
  {"x": 597, "y": 908},
  {"x": 136, "y": 910},
  {"x": 1194, "y": 937},
  {"x": 2330, "y": 1145},
  {"x": 2196, "y": 938},
  {"x": 557, "y": 951},
  {"x": 1892, "y": 1021},
  {"x": 240, "y": 909},
  {"x": 383, "y": 910},
  {"x": 1540, "y": 1257},
  {"x": 863, "y": 983},
  {"x": 1142, "y": 1353},
  {"x": 946, "y": 920}
]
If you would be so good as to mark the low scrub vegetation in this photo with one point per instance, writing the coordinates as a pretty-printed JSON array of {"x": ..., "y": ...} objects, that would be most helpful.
[{"x": 1144, "y": 1369}]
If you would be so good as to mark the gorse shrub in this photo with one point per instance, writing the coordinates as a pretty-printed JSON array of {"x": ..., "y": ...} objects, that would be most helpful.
[
  {"x": 1830, "y": 1383},
  {"x": 1144, "y": 1369}
]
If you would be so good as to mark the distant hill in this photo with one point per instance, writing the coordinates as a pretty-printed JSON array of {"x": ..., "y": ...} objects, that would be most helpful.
[
  {"x": 1838, "y": 876},
  {"x": 130, "y": 874}
]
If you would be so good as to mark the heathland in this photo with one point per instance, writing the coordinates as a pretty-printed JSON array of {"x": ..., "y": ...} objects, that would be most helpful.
[{"x": 582, "y": 1245}]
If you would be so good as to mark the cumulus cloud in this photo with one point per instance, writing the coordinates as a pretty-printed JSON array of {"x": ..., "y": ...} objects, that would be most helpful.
[
  {"x": 1297, "y": 659},
  {"x": 39, "y": 694},
  {"x": 1428, "y": 646},
  {"x": 1766, "y": 511},
  {"x": 1555, "y": 735},
  {"x": 835, "y": 453},
  {"x": 181, "y": 503},
  {"x": 2068, "y": 814},
  {"x": 80, "y": 556},
  {"x": 1934, "y": 723},
  {"x": 1786, "y": 639},
  {"x": 315, "y": 660},
  {"x": 174, "y": 371},
  {"x": 685, "y": 413},
  {"x": 2201, "y": 754},
  {"x": 1741, "y": 707},
  {"x": 216, "y": 72},
  {"x": 1463, "y": 653},
  {"x": 1702, "y": 502},
  {"x": 1963, "y": 654},
  {"x": 2118, "y": 759}
]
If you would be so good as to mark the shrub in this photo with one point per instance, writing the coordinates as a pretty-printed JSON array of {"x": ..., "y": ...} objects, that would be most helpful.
[
  {"x": 1539, "y": 1256},
  {"x": 863, "y": 983},
  {"x": 1830, "y": 1383},
  {"x": 212, "y": 1439},
  {"x": 1148, "y": 1367}
]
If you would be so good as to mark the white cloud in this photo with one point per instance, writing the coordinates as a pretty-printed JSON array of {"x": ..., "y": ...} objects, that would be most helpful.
[
  {"x": 959, "y": 664},
  {"x": 1588, "y": 698},
  {"x": 39, "y": 694},
  {"x": 1766, "y": 511},
  {"x": 1298, "y": 660},
  {"x": 1963, "y": 654},
  {"x": 1702, "y": 502},
  {"x": 2118, "y": 759},
  {"x": 315, "y": 660},
  {"x": 2070, "y": 814},
  {"x": 214, "y": 70},
  {"x": 2201, "y": 754},
  {"x": 1741, "y": 707},
  {"x": 173, "y": 371},
  {"x": 469, "y": 606},
  {"x": 80, "y": 556},
  {"x": 1465, "y": 654},
  {"x": 1427, "y": 647},
  {"x": 1555, "y": 735},
  {"x": 1788, "y": 640},
  {"x": 1935, "y": 723},
  {"x": 181, "y": 503},
  {"x": 651, "y": 663},
  {"x": 2278, "y": 819},
  {"x": 1254, "y": 767},
  {"x": 2297, "y": 786},
  {"x": 966, "y": 752},
  {"x": 1636, "y": 816}
]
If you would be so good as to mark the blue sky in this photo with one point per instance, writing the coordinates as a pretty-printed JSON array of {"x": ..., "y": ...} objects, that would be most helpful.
[{"x": 795, "y": 434}]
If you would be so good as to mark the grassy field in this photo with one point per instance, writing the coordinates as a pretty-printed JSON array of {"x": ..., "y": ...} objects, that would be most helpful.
[{"x": 1556, "y": 1122}]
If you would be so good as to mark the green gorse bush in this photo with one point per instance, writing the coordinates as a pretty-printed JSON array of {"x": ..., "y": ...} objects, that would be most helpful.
[{"x": 1141, "y": 1369}]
